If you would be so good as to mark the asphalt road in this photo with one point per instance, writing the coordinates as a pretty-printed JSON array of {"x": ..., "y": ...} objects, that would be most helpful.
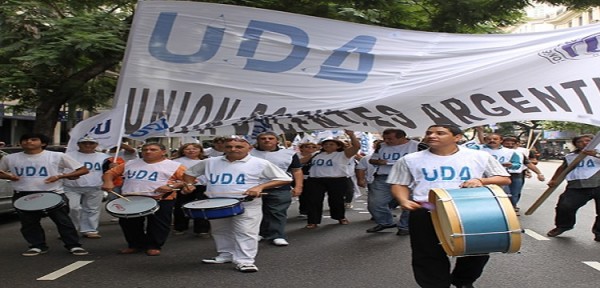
[{"x": 330, "y": 256}]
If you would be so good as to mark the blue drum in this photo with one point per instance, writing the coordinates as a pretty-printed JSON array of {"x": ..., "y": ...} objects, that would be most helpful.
[
  {"x": 474, "y": 221},
  {"x": 213, "y": 208}
]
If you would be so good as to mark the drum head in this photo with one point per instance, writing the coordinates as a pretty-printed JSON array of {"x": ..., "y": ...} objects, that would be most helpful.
[
  {"x": 38, "y": 201},
  {"x": 211, "y": 203},
  {"x": 135, "y": 205}
]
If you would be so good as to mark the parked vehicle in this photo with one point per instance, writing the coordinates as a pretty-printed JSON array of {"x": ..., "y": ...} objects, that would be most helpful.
[{"x": 6, "y": 193}]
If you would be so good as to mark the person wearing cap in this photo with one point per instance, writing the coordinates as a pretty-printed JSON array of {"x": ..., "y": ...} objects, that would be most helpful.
[
  {"x": 238, "y": 175},
  {"x": 217, "y": 149},
  {"x": 84, "y": 193},
  {"x": 328, "y": 173},
  {"x": 37, "y": 170}
]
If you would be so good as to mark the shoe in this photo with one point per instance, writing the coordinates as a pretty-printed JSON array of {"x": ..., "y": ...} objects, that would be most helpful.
[
  {"x": 246, "y": 268},
  {"x": 126, "y": 251},
  {"x": 310, "y": 226},
  {"x": 556, "y": 231},
  {"x": 402, "y": 232},
  {"x": 34, "y": 252},
  {"x": 348, "y": 205},
  {"x": 465, "y": 286},
  {"x": 517, "y": 212},
  {"x": 344, "y": 221},
  {"x": 153, "y": 252},
  {"x": 380, "y": 227},
  {"x": 597, "y": 238},
  {"x": 177, "y": 232},
  {"x": 517, "y": 209},
  {"x": 92, "y": 235},
  {"x": 302, "y": 216},
  {"x": 202, "y": 235},
  {"x": 78, "y": 251},
  {"x": 280, "y": 242},
  {"x": 217, "y": 260},
  {"x": 260, "y": 238},
  {"x": 114, "y": 219}
]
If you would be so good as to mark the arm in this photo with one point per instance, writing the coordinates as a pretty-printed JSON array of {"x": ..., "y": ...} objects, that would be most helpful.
[
  {"x": 109, "y": 176},
  {"x": 402, "y": 194},
  {"x": 298, "y": 181},
  {"x": 558, "y": 171},
  {"x": 537, "y": 171},
  {"x": 355, "y": 144},
  {"x": 361, "y": 177}
]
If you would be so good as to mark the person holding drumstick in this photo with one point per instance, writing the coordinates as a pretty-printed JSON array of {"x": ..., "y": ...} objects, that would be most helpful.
[
  {"x": 424, "y": 170},
  {"x": 237, "y": 175},
  {"x": 153, "y": 176},
  {"x": 36, "y": 170}
]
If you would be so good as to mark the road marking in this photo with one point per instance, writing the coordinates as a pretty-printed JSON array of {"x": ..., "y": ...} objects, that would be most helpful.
[
  {"x": 534, "y": 235},
  {"x": 363, "y": 212},
  {"x": 64, "y": 271},
  {"x": 593, "y": 264}
]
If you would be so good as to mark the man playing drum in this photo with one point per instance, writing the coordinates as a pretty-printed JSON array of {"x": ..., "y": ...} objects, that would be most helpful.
[
  {"x": 35, "y": 173},
  {"x": 424, "y": 170},
  {"x": 237, "y": 175},
  {"x": 153, "y": 176}
]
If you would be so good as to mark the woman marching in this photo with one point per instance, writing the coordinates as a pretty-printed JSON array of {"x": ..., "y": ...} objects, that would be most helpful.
[{"x": 327, "y": 174}]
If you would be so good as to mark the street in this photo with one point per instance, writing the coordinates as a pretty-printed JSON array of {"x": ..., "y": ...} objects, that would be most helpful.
[{"x": 330, "y": 256}]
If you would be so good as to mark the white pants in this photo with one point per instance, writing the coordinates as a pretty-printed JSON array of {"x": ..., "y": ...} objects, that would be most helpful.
[
  {"x": 84, "y": 204},
  {"x": 237, "y": 237}
]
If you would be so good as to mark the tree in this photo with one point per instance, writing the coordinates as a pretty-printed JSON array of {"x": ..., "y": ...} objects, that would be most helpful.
[{"x": 57, "y": 52}]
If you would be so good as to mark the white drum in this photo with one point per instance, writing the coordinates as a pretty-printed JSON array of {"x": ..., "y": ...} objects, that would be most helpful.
[
  {"x": 39, "y": 202},
  {"x": 132, "y": 206}
]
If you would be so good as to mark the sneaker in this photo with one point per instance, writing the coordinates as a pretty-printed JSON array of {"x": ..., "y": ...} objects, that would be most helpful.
[
  {"x": 202, "y": 235},
  {"x": 380, "y": 227},
  {"x": 302, "y": 216},
  {"x": 348, "y": 205},
  {"x": 597, "y": 238},
  {"x": 556, "y": 231},
  {"x": 402, "y": 232},
  {"x": 78, "y": 251},
  {"x": 177, "y": 232},
  {"x": 246, "y": 268},
  {"x": 34, "y": 252},
  {"x": 280, "y": 242},
  {"x": 92, "y": 235},
  {"x": 217, "y": 260}
]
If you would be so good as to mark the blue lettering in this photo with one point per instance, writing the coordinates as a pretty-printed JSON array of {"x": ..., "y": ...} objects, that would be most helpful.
[
  {"x": 101, "y": 128},
  {"x": 226, "y": 178},
  {"x": 141, "y": 174},
  {"x": 299, "y": 41},
  {"x": 153, "y": 176},
  {"x": 331, "y": 67},
  {"x": 31, "y": 171},
  {"x": 427, "y": 176},
  {"x": 465, "y": 174},
  {"x": 448, "y": 173},
  {"x": 240, "y": 179},
  {"x": 160, "y": 37}
]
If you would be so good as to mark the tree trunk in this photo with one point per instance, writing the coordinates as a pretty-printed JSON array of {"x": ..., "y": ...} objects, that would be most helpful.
[{"x": 46, "y": 116}]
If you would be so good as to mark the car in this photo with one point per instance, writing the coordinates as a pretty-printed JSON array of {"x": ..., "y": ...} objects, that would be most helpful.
[{"x": 6, "y": 193}]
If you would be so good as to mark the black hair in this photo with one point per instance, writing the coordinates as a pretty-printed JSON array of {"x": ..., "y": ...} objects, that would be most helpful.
[
  {"x": 43, "y": 138},
  {"x": 452, "y": 128},
  {"x": 399, "y": 133}
]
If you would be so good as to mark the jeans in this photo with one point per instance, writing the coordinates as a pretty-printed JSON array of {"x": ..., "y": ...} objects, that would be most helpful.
[
  {"x": 380, "y": 196},
  {"x": 274, "y": 208},
  {"x": 33, "y": 232},
  {"x": 573, "y": 199},
  {"x": 515, "y": 187},
  {"x": 85, "y": 205}
]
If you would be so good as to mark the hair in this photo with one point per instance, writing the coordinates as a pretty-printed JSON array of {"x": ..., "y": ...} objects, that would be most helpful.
[
  {"x": 511, "y": 138},
  {"x": 271, "y": 133},
  {"x": 182, "y": 147},
  {"x": 235, "y": 139},
  {"x": 577, "y": 138},
  {"x": 43, "y": 138},
  {"x": 340, "y": 144},
  {"x": 161, "y": 146},
  {"x": 452, "y": 128},
  {"x": 219, "y": 139},
  {"x": 399, "y": 133},
  {"x": 306, "y": 144}
]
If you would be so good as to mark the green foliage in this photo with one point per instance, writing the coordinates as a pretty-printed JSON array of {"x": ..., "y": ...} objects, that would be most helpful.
[{"x": 579, "y": 128}]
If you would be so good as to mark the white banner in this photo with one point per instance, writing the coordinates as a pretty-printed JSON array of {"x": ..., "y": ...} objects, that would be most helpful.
[
  {"x": 212, "y": 68},
  {"x": 158, "y": 128},
  {"x": 106, "y": 128}
]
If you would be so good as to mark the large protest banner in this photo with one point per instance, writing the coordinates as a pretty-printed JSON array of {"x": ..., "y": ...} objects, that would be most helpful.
[{"x": 214, "y": 68}]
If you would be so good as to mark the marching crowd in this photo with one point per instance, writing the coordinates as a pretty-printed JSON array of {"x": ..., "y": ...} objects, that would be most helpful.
[{"x": 263, "y": 178}]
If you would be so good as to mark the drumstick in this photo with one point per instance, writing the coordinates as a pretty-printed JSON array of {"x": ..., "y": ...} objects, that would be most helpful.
[{"x": 119, "y": 195}]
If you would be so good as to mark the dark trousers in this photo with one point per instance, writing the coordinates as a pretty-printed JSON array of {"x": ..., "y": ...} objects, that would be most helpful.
[
  {"x": 156, "y": 230},
  {"x": 274, "y": 207},
  {"x": 315, "y": 189},
  {"x": 31, "y": 226},
  {"x": 349, "y": 194},
  {"x": 180, "y": 221},
  {"x": 431, "y": 266},
  {"x": 573, "y": 199}
]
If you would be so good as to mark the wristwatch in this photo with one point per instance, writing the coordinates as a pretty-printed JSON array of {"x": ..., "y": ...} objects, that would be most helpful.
[{"x": 171, "y": 186}]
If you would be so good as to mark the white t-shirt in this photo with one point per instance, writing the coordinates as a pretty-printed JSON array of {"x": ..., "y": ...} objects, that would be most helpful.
[
  {"x": 231, "y": 179},
  {"x": 327, "y": 165},
  {"x": 391, "y": 154},
  {"x": 33, "y": 169},
  {"x": 585, "y": 169},
  {"x": 426, "y": 170},
  {"x": 93, "y": 162},
  {"x": 187, "y": 162},
  {"x": 141, "y": 178}
]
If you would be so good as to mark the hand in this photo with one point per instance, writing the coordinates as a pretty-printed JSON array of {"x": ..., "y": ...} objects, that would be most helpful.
[
  {"x": 253, "y": 192},
  {"x": 541, "y": 177},
  {"x": 472, "y": 183},
  {"x": 52, "y": 179},
  {"x": 410, "y": 205},
  {"x": 296, "y": 191},
  {"x": 9, "y": 176}
]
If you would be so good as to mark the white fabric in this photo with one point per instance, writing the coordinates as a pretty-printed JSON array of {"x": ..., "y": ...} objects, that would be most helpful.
[
  {"x": 182, "y": 56},
  {"x": 93, "y": 162},
  {"x": 84, "y": 205},
  {"x": 333, "y": 164},
  {"x": 363, "y": 164},
  {"x": 427, "y": 170},
  {"x": 521, "y": 160},
  {"x": 106, "y": 128},
  {"x": 392, "y": 154},
  {"x": 585, "y": 169},
  {"x": 232, "y": 179},
  {"x": 141, "y": 178},
  {"x": 282, "y": 157},
  {"x": 33, "y": 169}
]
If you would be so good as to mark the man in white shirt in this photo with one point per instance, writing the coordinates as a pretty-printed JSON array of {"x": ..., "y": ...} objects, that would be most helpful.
[{"x": 237, "y": 175}]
